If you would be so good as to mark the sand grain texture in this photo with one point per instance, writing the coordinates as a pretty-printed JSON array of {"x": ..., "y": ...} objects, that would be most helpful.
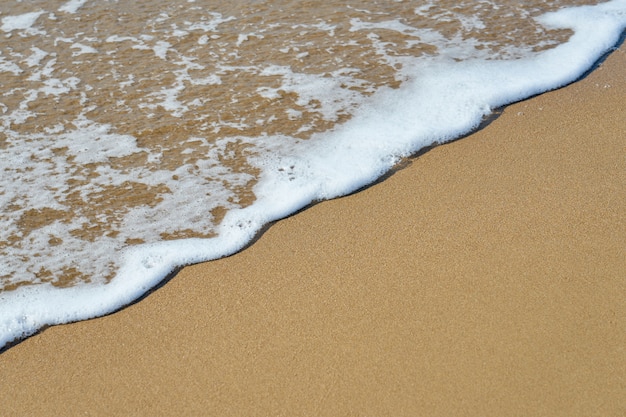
[{"x": 487, "y": 278}]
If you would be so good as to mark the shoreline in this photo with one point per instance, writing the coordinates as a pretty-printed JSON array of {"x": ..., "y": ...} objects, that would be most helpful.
[{"x": 484, "y": 278}]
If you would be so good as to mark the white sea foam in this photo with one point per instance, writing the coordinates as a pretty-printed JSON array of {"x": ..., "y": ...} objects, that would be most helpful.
[
  {"x": 440, "y": 99},
  {"x": 20, "y": 22},
  {"x": 72, "y": 6}
]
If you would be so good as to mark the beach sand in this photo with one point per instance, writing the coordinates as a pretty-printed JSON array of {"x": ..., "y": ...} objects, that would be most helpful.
[{"x": 486, "y": 278}]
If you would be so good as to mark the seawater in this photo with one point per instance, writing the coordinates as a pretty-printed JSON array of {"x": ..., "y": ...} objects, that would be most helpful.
[{"x": 138, "y": 137}]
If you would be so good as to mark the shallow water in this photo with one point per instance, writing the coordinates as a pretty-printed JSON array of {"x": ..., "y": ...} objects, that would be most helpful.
[{"x": 125, "y": 125}]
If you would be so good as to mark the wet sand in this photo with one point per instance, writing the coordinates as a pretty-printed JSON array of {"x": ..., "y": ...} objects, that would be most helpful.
[{"x": 486, "y": 278}]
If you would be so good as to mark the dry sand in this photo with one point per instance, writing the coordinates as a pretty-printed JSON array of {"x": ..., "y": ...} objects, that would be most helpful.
[{"x": 488, "y": 278}]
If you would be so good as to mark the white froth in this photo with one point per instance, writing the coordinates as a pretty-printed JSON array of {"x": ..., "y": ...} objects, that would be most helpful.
[
  {"x": 440, "y": 100},
  {"x": 36, "y": 57},
  {"x": 315, "y": 93},
  {"x": 8, "y": 66},
  {"x": 83, "y": 49},
  {"x": 20, "y": 22},
  {"x": 161, "y": 48},
  {"x": 72, "y": 6}
]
